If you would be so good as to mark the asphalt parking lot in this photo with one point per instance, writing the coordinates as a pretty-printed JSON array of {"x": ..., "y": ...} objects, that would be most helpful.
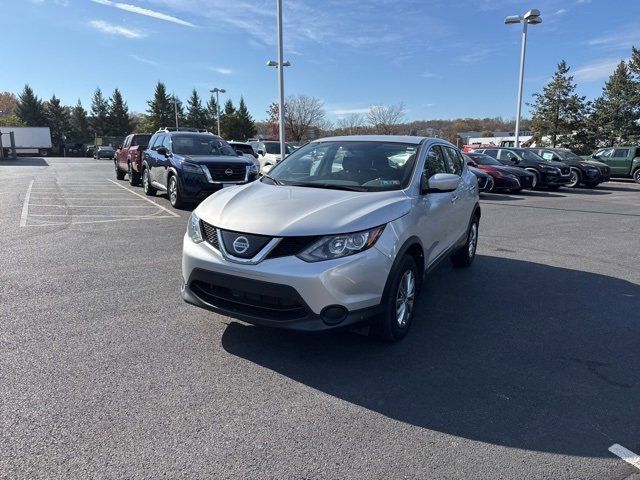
[{"x": 526, "y": 365}]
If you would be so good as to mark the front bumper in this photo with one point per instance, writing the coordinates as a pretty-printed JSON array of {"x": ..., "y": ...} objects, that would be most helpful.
[
  {"x": 506, "y": 183},
  {"x": 195, "y": 187},
  {"x": 285, "y": 292},
  {"x": 553, "y": 179}
]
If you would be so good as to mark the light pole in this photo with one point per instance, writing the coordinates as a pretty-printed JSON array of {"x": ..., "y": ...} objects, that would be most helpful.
[
  {"x": 280, "y": 64},
  {"x": 531, "y": 17},
  {"x": 175, "y": 108},
  {"x": 217, "y": 90}
]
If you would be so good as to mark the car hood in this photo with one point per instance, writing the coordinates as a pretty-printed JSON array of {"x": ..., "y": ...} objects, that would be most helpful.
[
  {"x": 216, "y": 159},
  {"x": 273, "y": 210},
  {"x": 592, "y": 163},
  {"x": 518, "y": 172}
]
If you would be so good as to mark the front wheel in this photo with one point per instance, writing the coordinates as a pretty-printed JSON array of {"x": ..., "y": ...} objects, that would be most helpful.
[
  {"x": 146, "y": 183},
  {"x": 394, "y": 322},
  {"x": 119, "y": 173},
  {"x": 536, "y": 178},
  {"x": 465, "y": 255},
  {"x": 134, "y": 177},
  {"x": 175, "y": 195},
  {"x": 636, "y": 175}
]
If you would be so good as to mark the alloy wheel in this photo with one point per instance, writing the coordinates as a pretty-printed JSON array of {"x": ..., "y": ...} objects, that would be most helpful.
[
  {"x": 173, "y": 190},
  {"x": 574, "y": 179},
  {"x": 405, "y": 298},
  {"x": 473, "y": 239}
]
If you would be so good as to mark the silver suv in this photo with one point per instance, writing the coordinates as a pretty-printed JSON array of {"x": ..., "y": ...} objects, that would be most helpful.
[{"x": 341, "y": 232}]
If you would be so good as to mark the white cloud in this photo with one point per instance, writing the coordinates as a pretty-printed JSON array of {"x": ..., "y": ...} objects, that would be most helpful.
[
  {"x": 349, "y": 111},
  {"x": 562, "y": 11},
  {"x": 430, "y": 75},
  {"x": 144, "y": 11},
  {"x": 596, "y": 71},
  {"x": 623, "y": 38},
  {"x": 222, "y": 71},
  {"x": 116, "y": 30},
  {"x": 582, "y": 2},
  {"x": 143, "y": 60}
]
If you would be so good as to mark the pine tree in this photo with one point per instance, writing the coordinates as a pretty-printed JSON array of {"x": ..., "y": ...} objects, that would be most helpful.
[
  {"x": 196, "y": 113},
  {"x": 229, "y": 122},
  {"x": 80, "y": 128},
  {"x": 616, "y": 110},
  {"x": 245, "y": 122},
  {"x": 59, "y": 122},
  {"x": 99, "y": 113},
  {"x": 160, "y": 109},
  {"x": 212, "y": 114},
  {"x": 558, "y": 111},
  {"x": 119, "y": 119},
  {"x": 30, "y": 108}
]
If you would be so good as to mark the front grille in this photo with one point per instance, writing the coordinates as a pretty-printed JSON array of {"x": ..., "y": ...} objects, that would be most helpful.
[
  {"x": 220, "y": 172},
  {"x": 210, "y": 234},
  {"x": 290, "y": 246},
  {"x": 249, "y": 297}
]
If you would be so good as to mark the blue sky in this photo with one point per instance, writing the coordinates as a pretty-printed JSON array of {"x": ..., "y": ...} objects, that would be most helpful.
[{"x": 442, "y": 58}]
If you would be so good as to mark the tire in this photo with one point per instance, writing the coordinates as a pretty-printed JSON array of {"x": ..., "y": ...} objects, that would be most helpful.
[
  {"x": 174, "y": 193},
  {"x": 465, "y": 254},
  {"x": 146, "y": 183},
  {"x": 134, "y": 177},
  {"x": 636, "y": 175},
  {"x": 119, "y": 173},
  {"x": 535, "y": 184},
  {"x": 398, "y": 308},
  {"x": 576, "y": 178}
]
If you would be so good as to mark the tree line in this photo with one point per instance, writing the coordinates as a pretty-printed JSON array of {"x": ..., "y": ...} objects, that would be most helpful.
[
  {"x": 110, "y": 117},
  {"x": 563, "y": 118}
]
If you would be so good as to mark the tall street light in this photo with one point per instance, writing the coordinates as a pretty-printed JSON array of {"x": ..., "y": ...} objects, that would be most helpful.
[
  {"x": 280, "y": 64},
  {"x": 217, "y": 91},
  {"x": 531, "y": 17},
  {"x": 175, "y": 109}
]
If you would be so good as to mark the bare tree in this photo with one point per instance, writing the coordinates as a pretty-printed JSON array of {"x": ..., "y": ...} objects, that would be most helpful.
[
  {"x": 350, "y": 123},
  {"x": 386, "y": 119},
  {"x": 301, "y": 113}
]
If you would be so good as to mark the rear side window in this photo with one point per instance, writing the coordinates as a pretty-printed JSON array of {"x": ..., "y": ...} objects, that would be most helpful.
[
  {"x": 454, "y": 163},
  {"x": 507, "y": 155},
  {"x": 491, "y": 152},
  {"x": 435, "y": 161},
  {"x": 141, "y": 140},
  {"x": 621, "y": 153}
]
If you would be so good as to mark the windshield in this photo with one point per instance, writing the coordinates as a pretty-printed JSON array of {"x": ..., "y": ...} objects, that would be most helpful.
[
  {"x": 195, "y": 145},
  {"x": 274, "y": 148},
  {"x": 142, "y": 140},
  {"x": 568, "y": 155},
  {"x": 481, "y": 159},
  {"x": 349, "y": 165}
]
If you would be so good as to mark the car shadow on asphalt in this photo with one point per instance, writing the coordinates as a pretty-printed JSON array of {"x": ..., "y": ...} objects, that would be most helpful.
[
  {"x": 508, "y": 352},
  {"x": 23, "y": 162},
  {"x": 611, "y": 188}
]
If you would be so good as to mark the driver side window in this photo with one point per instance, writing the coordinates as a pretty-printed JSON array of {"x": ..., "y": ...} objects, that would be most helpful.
[
  {"x": 166, "y": 143},
  {"x": 434, "y": 162}
]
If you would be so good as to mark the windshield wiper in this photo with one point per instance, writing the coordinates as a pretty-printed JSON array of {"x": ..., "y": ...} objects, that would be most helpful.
[
  {"x": 351, "y": 188},
  {"x": 274, "y": 180}
]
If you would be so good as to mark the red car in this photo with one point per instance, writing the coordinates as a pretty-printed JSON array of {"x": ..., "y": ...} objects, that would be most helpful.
[
  {"x": 505, "y": 179},
  {"x": 128, "y": 159}
]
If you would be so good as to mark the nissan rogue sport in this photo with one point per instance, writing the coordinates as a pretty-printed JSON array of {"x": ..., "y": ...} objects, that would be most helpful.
[{"x": 353, "y": 225}]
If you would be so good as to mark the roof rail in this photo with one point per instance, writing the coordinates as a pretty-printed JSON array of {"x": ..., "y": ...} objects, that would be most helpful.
[{"x": 183, "y": 129}]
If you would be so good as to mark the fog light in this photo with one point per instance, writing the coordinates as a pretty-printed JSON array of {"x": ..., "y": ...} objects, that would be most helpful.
[{"x": 333, "y": 314}]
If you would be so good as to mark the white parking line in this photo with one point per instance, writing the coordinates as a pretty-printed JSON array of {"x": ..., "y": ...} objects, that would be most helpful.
[
  {"x": 145, "y": 198},
  {"x": 128, "y": 219},
  {"x": 25, "y": 206},
  {"x": 626, "y": 455},
  {"x": 93, "y": 206}
]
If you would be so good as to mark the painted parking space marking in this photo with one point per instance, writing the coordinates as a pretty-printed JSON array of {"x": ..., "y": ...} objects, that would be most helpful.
[
  {"x": 626, "y": 455},
  {"x": 54, "y": 204},
  {"x": 25, "y": 206}
]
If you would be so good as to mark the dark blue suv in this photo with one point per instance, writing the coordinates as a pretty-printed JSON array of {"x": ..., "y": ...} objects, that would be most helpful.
[{"x": 190, "y": 165}]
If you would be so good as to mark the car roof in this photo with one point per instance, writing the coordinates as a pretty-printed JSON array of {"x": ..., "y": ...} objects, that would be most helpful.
[
  {"x": 234, "y": 142},
  {"x": 381, "y": 138}
]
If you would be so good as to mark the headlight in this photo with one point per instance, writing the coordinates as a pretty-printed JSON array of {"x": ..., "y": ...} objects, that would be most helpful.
[
  {"x": 193, "y": 228},
  {"x": 338, "y": 246},
  {"x": 550, "y": 169},
  {"x": 191, "y": 168},
  {"x": 253, "y": 168}
]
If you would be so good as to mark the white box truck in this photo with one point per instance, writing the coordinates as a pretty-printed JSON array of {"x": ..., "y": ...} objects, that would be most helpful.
[{"x": 28, "y": 140}]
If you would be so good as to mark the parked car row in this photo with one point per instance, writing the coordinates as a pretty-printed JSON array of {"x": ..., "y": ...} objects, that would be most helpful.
[
  {"x": 514, "y": 169},
  {"x": 187, "y": 164}
]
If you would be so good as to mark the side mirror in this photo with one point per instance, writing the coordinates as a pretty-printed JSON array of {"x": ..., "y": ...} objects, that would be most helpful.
[
  {"x": 162, "y": 151},
  {"x": 240, "y": 153},
  {"x": 261, "y": 152},
  {"x": 439, "y": 183},
  {"x": 471, "y": 163}
]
